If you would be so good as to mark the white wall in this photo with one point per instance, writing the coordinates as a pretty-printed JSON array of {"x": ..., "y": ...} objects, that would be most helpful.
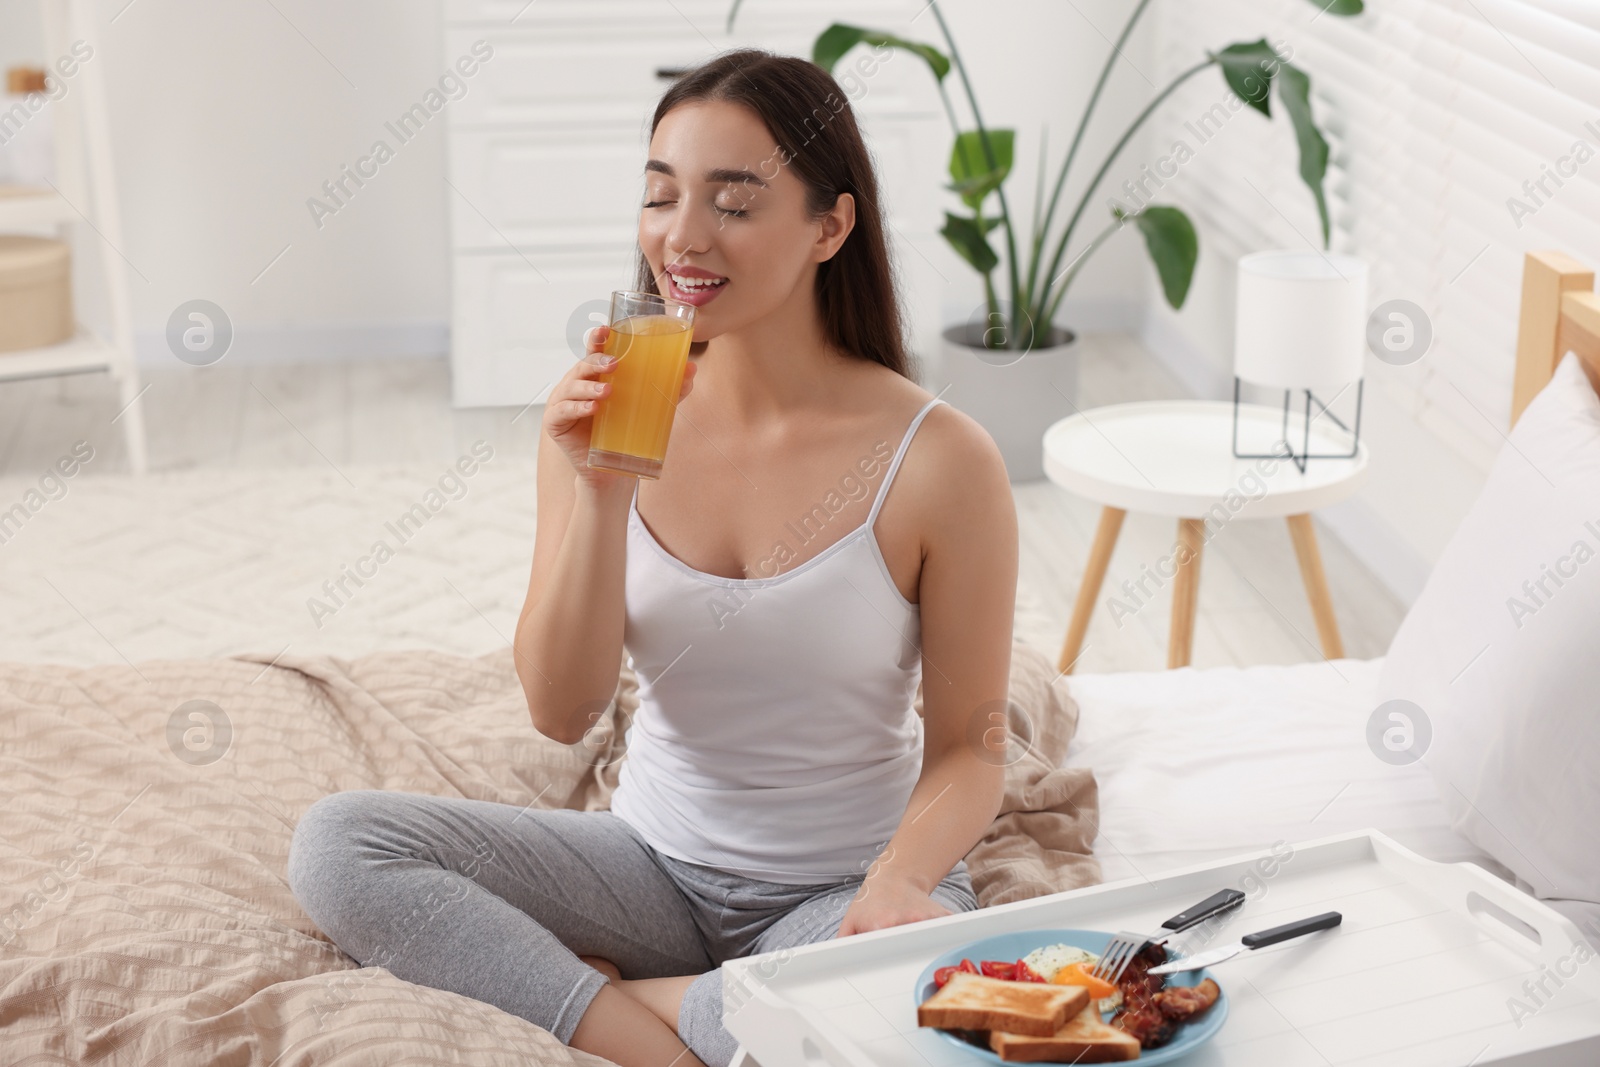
[{"x": 226, "y": 118}]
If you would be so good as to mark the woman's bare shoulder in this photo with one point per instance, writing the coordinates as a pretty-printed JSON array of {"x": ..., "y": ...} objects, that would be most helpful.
[
  {"x": 955, "y": 451},
  {"x": 952, "y": 459}
]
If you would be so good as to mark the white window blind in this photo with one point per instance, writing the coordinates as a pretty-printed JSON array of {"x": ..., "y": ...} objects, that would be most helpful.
[{"x": 1437, "y": 112}]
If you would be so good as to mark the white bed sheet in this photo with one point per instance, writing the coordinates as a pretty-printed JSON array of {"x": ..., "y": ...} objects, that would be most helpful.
[{"x": 1199, "y": 764}]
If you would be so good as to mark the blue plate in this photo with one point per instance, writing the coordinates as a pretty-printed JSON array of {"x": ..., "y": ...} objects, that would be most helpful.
[{"x": 1010, "y": 947}]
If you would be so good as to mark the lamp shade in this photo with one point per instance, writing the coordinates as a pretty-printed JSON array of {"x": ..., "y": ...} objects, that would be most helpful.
[{"x": 1300, "y": 319}]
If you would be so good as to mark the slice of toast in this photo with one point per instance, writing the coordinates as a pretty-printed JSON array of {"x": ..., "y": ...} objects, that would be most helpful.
[
  {"x": 1084, "y": 1039},
  {"x": 978, "y": 1002}
]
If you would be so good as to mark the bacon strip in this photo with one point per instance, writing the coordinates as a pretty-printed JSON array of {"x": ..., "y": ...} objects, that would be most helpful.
[
  {"x": 1181, "y": 1003},
  {"x": 1152, "y": 1012}
]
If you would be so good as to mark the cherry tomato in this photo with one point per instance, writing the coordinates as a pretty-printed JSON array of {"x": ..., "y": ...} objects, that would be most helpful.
[
  {"x": 998, "y": 969},
  {"x": 1024, "y": 973}
]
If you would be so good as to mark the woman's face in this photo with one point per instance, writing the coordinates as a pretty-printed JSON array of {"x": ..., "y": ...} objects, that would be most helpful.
[{"x": 721, "y": 201}]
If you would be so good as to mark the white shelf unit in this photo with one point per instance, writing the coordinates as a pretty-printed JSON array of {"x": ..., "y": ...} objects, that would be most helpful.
[
  {"x": 82, "y": 204},
  {"x": 547, "y": 149}
]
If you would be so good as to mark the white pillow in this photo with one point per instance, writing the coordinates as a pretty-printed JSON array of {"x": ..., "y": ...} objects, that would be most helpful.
[{"x": 1501, "y": 652}]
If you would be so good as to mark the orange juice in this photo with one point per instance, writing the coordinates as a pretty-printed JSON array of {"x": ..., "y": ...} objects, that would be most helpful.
[{"x": 632, "y": 422}]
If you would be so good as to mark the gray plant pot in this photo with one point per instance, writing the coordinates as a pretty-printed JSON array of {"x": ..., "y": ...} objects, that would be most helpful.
[{"x": 1015, "y": 395}]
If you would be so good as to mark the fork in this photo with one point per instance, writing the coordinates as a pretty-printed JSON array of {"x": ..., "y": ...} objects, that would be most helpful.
[{"x": 1121, "y": 949}]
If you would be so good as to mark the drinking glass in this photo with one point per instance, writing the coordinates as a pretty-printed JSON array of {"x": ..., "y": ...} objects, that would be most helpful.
[{"x": 649, "y": 338}]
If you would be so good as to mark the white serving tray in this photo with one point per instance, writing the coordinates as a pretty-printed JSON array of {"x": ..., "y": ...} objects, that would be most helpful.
[{"x": 1424, "y": 970}]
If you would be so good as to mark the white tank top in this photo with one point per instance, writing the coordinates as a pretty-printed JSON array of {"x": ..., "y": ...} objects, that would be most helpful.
[{"x": 776, "y": 736}]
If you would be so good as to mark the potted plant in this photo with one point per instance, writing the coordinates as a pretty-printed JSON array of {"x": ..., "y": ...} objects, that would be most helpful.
[{"x": 1003, "y": 367}]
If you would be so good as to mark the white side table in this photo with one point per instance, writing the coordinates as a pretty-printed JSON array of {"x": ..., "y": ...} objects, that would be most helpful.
[{"x": 1175, "y": 457}]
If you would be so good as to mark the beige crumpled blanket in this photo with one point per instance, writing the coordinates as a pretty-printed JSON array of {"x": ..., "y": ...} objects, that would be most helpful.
[{"x": 145, "y": 916}]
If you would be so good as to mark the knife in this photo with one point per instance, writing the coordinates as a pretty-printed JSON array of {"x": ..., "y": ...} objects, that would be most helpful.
[{"x": 1210, "y": 958}]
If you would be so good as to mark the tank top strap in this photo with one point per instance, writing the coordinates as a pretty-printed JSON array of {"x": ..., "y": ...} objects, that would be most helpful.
[{"x": 894, "y": 465}]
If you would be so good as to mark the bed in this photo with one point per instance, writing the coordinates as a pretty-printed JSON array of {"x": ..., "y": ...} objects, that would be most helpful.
[
  {"x": 1279, "y": 754},
  {"x": 146, "y": 915},
  {"x": 149, "y": 809}
]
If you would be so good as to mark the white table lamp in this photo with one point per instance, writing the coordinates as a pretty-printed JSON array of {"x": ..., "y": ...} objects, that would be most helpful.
[{"x": 1300, "y": 324}]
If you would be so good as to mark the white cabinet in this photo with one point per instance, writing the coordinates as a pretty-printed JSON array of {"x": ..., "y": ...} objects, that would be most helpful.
[{"x": 547, "y": 149}]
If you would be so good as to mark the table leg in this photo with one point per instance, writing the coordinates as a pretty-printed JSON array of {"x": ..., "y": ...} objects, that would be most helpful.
[
  {"x": 1185, "y": 592},
  {"x": 1094, "y": 573},
  {"x": 1304, "y": 536}
]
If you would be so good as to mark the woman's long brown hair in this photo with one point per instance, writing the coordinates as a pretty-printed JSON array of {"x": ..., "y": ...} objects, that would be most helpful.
[{"x": 811, "y": 119}]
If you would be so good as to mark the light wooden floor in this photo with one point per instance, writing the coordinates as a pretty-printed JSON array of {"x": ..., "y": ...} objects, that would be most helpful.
[{"x": 333, "y": 416}]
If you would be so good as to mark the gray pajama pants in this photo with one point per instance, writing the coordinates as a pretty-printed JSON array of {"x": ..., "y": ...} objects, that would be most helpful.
[{"x": 497, "y": 902}]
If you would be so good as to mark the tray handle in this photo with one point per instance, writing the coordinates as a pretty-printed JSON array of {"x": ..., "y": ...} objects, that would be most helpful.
[
  {"x": 816, "y": 1041},
  {"x": 1505, "y": 912}
]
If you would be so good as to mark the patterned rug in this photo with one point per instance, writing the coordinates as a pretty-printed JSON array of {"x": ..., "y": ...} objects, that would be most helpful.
[
  {"x": 106, "y": 568},
  {"x": 112, "y": 569}
]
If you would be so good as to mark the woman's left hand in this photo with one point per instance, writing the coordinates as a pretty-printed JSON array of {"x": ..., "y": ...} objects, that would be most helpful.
[{"x": 886, "y": 900}]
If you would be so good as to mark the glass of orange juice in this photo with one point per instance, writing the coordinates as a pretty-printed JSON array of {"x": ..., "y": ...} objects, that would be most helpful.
[{"x": 649, "y": 338}]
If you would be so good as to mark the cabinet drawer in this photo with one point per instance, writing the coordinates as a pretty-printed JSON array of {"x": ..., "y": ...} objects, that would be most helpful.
[
  {"x": 508, "y": 339},
  {"x": 563, "y": 76},
  {"x": 638, "y": 18},
  {"x": 566, "y": 74},
  {"x": 555, "y": 187},
  {"x": 624, "y": 17}
]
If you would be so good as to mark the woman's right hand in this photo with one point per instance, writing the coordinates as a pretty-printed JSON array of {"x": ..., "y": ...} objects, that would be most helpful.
[{"x": 569, "y": 412}]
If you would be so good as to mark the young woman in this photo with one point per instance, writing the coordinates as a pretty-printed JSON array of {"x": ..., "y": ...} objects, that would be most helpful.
[{"x": 825, "y": 534}]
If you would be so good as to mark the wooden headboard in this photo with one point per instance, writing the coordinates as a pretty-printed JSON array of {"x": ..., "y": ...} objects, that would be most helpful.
[{"x": 1560, "y": 312}]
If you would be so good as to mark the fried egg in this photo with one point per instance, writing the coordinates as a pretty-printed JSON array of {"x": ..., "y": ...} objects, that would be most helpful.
[{"x": 1048, "y": 960}]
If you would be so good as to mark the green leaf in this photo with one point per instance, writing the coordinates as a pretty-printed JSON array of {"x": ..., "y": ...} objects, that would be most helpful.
[
  {"x": 1174, "y": 247},
  {"x": 986, "y": 222},
  {"x": 1249, "y": 68},
  {"x": 1294, "y": 90},
  {"x": 1341, "y": 7},
  {"x": 974, "y": 178},
  {"x": 832, "y": 43},
  {"x": 968, "y": 240}
]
